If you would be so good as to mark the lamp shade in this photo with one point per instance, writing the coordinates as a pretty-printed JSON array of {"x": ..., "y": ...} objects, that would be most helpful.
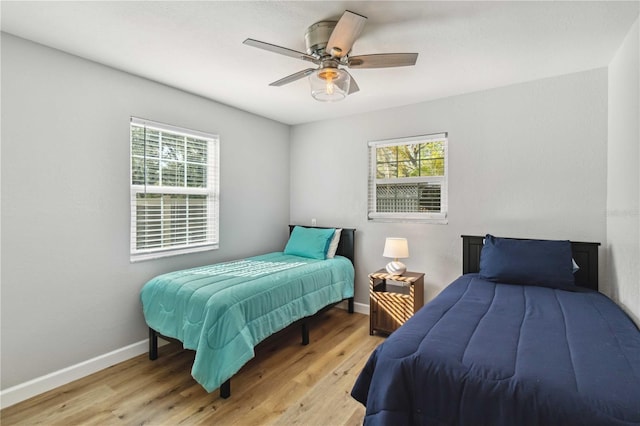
[
  {"x": 396, "y": 248},
  {"x": 329, "y": 84}
]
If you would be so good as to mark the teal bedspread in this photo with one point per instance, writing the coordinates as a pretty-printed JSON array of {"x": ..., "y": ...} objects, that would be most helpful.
[{"x": 222, "y": 311}]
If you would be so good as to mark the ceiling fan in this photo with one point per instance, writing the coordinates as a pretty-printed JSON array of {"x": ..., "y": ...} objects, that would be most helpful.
[{"x": 328, "y": 46}]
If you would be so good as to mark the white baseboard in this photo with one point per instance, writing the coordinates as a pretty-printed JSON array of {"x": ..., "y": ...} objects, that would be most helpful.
[
  {"x": 360, "y": 308},
  {"x": 24, "y": 391}
]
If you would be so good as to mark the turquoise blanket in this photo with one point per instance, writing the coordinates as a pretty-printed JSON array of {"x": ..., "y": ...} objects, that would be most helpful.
[{"x": 222, "y": 311}]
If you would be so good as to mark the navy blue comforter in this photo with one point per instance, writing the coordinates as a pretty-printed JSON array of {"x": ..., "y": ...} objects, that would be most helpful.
[{"x": 483, "y": 353}]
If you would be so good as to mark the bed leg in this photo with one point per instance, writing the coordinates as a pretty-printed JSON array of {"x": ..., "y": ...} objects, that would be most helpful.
[
  {"x": 350, "y": 301},
  {"x": 225, "y": 389},
  {"x": 153, "y": 344},
  {"x": 305, "y": 333}
]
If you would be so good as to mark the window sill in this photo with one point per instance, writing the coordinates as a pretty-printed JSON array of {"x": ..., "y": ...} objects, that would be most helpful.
[
  {"x": 409, "y": 220},
  {"x": 433, "y": 218},
  {"x": 141, "y": 257}
]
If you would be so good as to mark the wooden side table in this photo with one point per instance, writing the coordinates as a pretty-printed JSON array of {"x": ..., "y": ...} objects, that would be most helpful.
[{"x": 393, "y": 299}]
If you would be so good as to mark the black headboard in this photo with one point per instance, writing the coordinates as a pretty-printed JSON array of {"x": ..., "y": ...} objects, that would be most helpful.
[
  {"x": 346, "y": 246},
  {"x": 585, "y": 255}
]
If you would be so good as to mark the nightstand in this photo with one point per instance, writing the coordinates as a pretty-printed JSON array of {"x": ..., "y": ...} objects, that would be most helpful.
[{"x": 393, "y": 299}]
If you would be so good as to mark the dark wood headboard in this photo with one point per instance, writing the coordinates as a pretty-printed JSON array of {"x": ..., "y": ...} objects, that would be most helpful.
[
  {"x": 585, "y": 255},
  {"x": 346, "y": 246}
]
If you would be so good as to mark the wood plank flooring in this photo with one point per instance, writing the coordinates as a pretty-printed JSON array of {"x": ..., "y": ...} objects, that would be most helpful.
[{"x": 285, "y": 384}]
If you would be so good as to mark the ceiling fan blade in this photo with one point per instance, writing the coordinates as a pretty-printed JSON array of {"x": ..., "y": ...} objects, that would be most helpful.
[
  {"x": 353, "y": 86},
  {"x": 281, "y": 50},
  {"x": 293, "y": 77},
  {"x": 383, "y": 60},
  {"x": 345, "y": 34}
]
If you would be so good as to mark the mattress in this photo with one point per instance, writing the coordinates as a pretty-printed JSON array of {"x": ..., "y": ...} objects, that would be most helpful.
[
  {"x": 222, "y": 311},
  {"x": 485, "y": 353}
]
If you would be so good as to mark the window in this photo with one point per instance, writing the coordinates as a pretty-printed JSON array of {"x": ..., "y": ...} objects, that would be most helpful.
[
  {"x": 408, "y": 179},
  {"x": 174, "y": 190}
]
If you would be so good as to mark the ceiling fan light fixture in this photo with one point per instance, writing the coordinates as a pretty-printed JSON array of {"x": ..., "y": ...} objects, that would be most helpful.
[
  {"x": 329, "y": 45},
  {"x": 329, "y": 84}
]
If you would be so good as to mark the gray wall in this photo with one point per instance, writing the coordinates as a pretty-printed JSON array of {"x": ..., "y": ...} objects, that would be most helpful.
[
  {"x": 69, "y": 292},
  {"x": 527, "y": 160},
  {"x": 623, "y": 176}
]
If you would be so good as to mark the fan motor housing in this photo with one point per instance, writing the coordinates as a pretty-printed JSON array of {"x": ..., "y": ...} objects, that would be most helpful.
[{"x": 317, "y": 36}]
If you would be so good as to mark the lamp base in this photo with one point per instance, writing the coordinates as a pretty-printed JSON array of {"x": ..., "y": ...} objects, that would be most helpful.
[{"x": 396, "y": 268}]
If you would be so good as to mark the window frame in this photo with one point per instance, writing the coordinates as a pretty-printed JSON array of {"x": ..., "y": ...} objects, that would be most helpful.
[
  {"x": 373, "y": 181},
  {"x": 211, "y": 190}
]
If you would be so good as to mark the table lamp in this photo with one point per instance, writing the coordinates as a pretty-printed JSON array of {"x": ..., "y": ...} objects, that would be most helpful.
[{"x": 396, "y": 248}]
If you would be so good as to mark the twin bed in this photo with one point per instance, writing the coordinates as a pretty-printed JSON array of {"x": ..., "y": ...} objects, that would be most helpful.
[
  {"x": 521, "y": 338},
  {"x": 223, "y": 311}
]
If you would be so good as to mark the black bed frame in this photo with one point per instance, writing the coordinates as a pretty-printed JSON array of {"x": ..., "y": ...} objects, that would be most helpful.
[
  {"x": 585, "y": 255},
  {"x": 346, "y": 248}
]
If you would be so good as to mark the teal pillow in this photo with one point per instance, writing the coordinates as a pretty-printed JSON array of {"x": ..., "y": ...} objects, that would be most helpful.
[{"x": 309, "y": 242}]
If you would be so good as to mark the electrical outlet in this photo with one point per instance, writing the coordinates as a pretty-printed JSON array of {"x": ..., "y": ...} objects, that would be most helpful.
[{"x": 313, "y": 222}]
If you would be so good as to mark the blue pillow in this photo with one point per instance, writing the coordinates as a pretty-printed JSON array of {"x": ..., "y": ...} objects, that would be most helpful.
[
  {"x": 545, "y": 263},
  {"x": 309, "y": 242}
]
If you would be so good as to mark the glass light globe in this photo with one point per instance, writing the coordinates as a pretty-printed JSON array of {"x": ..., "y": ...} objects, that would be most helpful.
[{"x": 329, "y": 84}]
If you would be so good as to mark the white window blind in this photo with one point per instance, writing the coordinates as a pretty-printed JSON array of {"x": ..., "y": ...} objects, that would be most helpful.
[
  {"x": 174, "y": 190},
  {"x": 408, "y": 179}
]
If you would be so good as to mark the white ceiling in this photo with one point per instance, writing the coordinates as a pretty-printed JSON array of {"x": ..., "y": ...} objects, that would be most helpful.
[{"x": 197, "y": 46}]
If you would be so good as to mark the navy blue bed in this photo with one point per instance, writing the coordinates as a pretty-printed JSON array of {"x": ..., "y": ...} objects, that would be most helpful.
[{"x": 486, "y": 352}]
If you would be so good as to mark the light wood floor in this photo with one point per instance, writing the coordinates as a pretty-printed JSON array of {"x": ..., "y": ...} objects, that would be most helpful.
[{"x": 285, "y": 384}]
